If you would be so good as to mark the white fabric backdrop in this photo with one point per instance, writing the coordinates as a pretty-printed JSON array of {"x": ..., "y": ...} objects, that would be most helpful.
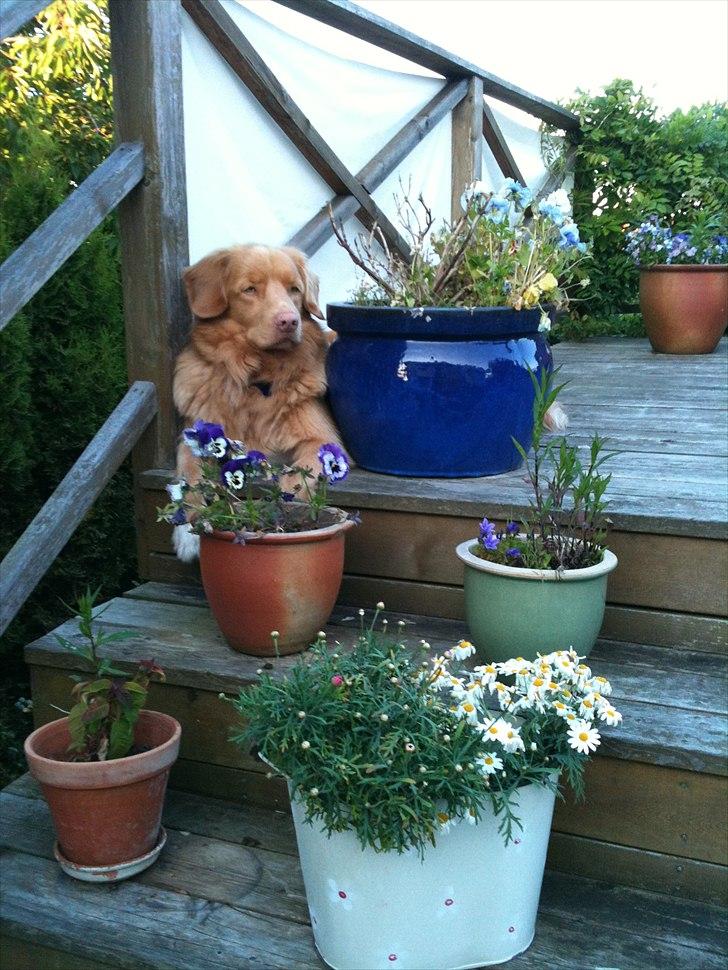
[{"x": 245, "y": 180}]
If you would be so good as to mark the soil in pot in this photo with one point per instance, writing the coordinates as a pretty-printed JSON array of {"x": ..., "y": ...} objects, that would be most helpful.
[{"x": 109, "y": 812}]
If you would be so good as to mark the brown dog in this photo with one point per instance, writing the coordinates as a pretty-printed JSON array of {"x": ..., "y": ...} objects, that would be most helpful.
[{"x": 255, "y": 359}]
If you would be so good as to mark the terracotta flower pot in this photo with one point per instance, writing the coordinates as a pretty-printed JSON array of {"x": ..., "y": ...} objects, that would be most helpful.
[
  {"x": 685, "y": 308},
  {"x": 105, "y": 813},
  {"x": 280, "y": 581}
]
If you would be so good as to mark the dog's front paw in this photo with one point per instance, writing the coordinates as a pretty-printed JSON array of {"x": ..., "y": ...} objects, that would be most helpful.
[{"x": 186, "y": 543}]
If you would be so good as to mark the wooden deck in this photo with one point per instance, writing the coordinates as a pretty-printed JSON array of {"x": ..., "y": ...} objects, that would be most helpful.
[{"x": 227, "y": 892}]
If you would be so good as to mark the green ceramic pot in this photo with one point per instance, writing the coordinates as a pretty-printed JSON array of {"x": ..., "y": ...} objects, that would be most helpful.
[{"x": 523, "y": 612}]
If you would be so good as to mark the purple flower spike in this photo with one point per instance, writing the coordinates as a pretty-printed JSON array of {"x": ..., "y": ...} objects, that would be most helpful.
[
  {"x": 511, "y": 528},
  {"x": 513, "y": 552},
  {"x": 334, "y": 462},
  {"x": 488, "y": 537}
]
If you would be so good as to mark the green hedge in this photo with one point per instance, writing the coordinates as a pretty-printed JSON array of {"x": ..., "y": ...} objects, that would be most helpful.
[{"x": 63, "y": 363}]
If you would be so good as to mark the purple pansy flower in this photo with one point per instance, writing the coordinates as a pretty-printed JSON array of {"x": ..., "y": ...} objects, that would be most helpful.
[
  {"x": 232, "y": 473},
  {"x": 488, "y": 537},
  {"x": 179, "y": 517},
  {"x": 206, "y": 440},
  {"x": 334, "y": 462}
]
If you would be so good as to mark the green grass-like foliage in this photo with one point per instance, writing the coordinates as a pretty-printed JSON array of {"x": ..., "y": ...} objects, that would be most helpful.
[{"x": 107, "y": 704}]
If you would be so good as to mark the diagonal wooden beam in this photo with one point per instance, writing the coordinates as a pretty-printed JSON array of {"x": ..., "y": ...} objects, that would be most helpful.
[
  {"x": 15, "y": 13},
  {"x": 498, "y": 145},
  {"x": 367, "y": 26},
  {"x": 466, "y": 145},
  {"x": 230, "y": 42},
  {"x": 55, "y": 240},
  {"x": 317, "y": 230}
]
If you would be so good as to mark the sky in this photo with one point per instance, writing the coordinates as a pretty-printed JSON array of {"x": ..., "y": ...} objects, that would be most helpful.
[{"x": 676, "y": 49}]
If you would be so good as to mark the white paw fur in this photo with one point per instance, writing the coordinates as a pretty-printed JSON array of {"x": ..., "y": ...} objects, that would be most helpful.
[
  {"x": 556, "y": 418},
  {"x": 186, "y": 543}
]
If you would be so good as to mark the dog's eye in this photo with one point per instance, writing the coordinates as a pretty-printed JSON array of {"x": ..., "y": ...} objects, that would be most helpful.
[
  {"x": 249, "y": 289},
  {"x": 295, "y": 289}
]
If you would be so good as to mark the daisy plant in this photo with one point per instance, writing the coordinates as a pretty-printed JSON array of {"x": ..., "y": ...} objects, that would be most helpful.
[
  {"x": 504, "y": 250},
  {"x": 243, "y": 491},
  {"x": 398, "y": 745}
]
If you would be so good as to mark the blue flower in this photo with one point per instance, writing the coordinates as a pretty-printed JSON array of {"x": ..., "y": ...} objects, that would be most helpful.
[
  {"x": 179, "y": 517},
  {"x": 206, "y": 440},
  {"x": 552, "y": 212},
  {"x": 515, "y": 192},
  {"x": 511, "y": 528},
  {"x": 334, "y": 462},
  {"x": 513, "y": 552},
  {"x": 496, "y": 210},
  {"x": 568, "y": 236},
  {"x": 488, "y": 537}
]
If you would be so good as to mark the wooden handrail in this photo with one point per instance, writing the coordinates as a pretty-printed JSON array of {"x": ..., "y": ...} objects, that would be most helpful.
[
  {"x": 47, "y": 249},
  {"x": 317, "y": 230},
  {"x": 35, "y": 551},
  {"x": 15, "y": 13},
  {"x": 382, "y": 33},
  {"x": 232, "y": 44}
]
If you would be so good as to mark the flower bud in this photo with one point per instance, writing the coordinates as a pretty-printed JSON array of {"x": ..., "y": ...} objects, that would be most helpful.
[
  {"x": 302, "y": 714},
  {"x": 314, "y": 792},
  {"x": 305, "y": 745},
  {"x": 380, "y": 605}
]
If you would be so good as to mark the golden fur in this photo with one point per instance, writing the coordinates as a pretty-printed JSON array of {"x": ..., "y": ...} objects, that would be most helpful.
[{"x": 254, "y": 308}]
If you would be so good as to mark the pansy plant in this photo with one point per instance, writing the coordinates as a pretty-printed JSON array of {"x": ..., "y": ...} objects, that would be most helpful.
[{"x": 246, "y": 492}]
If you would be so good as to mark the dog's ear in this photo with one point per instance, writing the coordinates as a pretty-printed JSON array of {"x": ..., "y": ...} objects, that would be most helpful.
[
  {"x": 310, "y": 281},
  {"x": 205, "y": 285}
]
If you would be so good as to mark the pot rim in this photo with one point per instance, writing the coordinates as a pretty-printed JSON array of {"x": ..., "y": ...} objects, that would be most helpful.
[
  {"x": 443, "y": 323},
  {"x": 95, "y": 774},
  {"x": 608, "y": 563},
  {"x": 683, "y": 268},
  {"x": 288, "y": 538}
]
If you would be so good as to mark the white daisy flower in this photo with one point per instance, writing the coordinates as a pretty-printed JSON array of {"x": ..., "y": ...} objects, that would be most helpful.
[
  {"x": 470, "y": 817},
  {"x": 610, "y": 715},
  {"x": 463, "y": 650},
  {"x": 588, "y": 706},
  {"x": 487, "y": 673},
  {"x": 512, "y": 741},
  {"x": 466, "y": 709},
  {"x": 583, "y": 738},
  {"x": 510, "y": 667},
  {"x": 602, "y": 685},
  {"x": 445, "y": 822},
  {"x": 489, "y": 764},
  {"x": 537, "y": 688},
  {"x": 495, "y": 729}
]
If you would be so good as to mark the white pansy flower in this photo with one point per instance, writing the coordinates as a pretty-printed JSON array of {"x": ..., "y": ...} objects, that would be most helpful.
[
  {"x": 175, "y": 490},
  {"x": 583, "y": 737}
]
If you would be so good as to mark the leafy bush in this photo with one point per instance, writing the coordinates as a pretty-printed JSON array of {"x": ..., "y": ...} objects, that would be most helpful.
[
  {"x": 631, "y": 163},
  {"x": 63, "y": 354}
]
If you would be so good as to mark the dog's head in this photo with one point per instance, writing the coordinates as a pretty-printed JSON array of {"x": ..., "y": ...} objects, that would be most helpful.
[{"x": 265, "y": 290}]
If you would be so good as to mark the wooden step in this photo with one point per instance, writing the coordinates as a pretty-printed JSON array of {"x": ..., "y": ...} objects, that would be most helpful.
[
  {"x": 227, "y": 891},
  {"x": 657, "y": 793}
]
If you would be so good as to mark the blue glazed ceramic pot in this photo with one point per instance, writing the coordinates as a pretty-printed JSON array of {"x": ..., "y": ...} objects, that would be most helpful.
[{"x": 434, "y": 392}]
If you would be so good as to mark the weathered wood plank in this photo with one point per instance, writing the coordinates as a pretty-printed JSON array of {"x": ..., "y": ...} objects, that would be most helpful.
[
  {"x": 15, "y": 13},
  {"x": 317, "y": 230},
  {"x": 661, "y": 809},
  {"x": 638, "y": 868},
  {"x": 47, "y": 248},
  {"x": 496, "y": 141},
  {"x": 231, "y": 43},
  {"x": 53, "y": 526},
  {"x": 162, "y": 929},
  {"x": 24, "y": 955},
  {"x": 147, "y": 74},
  {"x": 382, "y": 33},
  {"x": 466, "y": 145}
]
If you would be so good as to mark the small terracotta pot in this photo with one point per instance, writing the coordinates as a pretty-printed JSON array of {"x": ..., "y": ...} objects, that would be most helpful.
[
  {"x": 685, "y": 308},
  {"x": 280, "y": 581},
  {"x": 105, "y": 812}
]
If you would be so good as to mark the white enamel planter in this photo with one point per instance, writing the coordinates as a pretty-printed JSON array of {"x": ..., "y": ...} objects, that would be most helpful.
[{"x": 472, "y": 902}]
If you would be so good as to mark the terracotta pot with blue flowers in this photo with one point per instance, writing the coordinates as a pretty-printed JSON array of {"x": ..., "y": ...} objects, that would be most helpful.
[
  {"x": 540, "y": 584},
  {"x": 271, "y": 559},
  {"x": 430, "y": 374},
  {"x": 422, "y": 793},
  {"x": 683, "y": 285}
]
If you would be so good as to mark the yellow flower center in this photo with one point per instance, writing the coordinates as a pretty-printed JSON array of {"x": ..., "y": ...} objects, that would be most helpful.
[{"x": 583, "y": 736}]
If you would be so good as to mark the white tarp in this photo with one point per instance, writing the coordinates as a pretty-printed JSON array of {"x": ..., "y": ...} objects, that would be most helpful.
[{"x": 245, "y": 180}]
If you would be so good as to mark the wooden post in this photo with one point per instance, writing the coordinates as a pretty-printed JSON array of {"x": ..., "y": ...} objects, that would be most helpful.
[
  {"x": 467, "y": 143},
  {"x": 147, "y": 72}
]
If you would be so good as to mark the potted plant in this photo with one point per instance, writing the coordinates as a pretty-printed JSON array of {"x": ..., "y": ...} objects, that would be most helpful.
[
  {"x": 271, "y": 559},
  {"x": 429, "y": 375},
  {"x": 683, "y": 285},
  {"x": 104, "y": 767},
  {"x": 540, "y": 584},
  {"x": 422, "y": 814}
]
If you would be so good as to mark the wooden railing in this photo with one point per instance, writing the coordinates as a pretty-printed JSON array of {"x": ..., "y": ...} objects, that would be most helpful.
[{"x": 145, "y": 178}]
